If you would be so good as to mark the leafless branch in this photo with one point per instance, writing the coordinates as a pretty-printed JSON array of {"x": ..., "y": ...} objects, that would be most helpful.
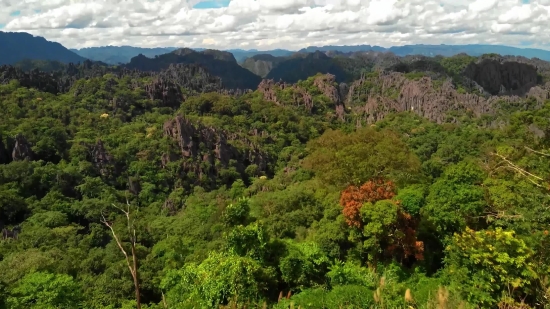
[
  {"x": 521, "y": 171},
  {"x": 117, "y": 240},
  {"x": 132, "y": 264},
  {"x": 538, "y": 152}
]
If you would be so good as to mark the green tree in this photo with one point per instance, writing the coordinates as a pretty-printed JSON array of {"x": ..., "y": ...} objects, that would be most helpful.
[
  {"x": 342, "y": 159},
  {"x": 237, "y": 213},
  {"x": 457, "y": 199},
  {"x": 485, "y": 264},
  {"x": 217, "y": 280},
  {"x": 304, "y": 266},
  {"x": 42, "y": 290}
]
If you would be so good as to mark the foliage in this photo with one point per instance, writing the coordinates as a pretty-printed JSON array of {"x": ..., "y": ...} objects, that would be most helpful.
[
  {"x": 243, "y": 202},
  {"x": 342, "y": 159},
  {"x": 45, "y": 290},
  {"x": 215, "y": 281},
  {"x": 353, "y": 198},
  {"x": 484, "y": 264}
]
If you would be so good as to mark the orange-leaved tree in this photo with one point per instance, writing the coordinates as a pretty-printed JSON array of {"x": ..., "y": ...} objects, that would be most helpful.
[
  {"x": 353, "y": 198},
  {"x": 384, "y": 225}
]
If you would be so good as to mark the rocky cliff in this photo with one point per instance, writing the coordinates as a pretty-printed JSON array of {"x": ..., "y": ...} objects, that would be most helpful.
[
  {"x": 22, "y": 149},
  {"x": 262, "y": 64},
  {"x": 206, "y": 150},
  {"x": 373, "y": 97},
  {"x": 500, "y": 77},
  {"x": 324, "y": 84}
]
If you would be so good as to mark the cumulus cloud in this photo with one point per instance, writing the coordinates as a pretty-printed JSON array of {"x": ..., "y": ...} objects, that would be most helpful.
[{"x": 268, "y": 24}]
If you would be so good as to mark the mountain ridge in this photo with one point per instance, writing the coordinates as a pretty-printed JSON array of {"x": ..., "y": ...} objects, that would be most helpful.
[{"x": 18, "y": 46}]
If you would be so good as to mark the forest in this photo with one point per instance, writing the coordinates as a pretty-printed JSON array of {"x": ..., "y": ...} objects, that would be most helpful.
[{"x": 120, "y": 189}]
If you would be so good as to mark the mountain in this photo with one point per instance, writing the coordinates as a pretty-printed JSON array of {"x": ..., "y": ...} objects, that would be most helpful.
[
  {"x": 342, "y": 48},
  {"x": 123, "y": 54},
  {"x": 218, "y": 63},
  {"x": 301, "y": 65},
  {"x": 18, "y": 46},
  {"x": 442, "y": 50},
  {"x": 262, "y": 64},
  {"x": 119, "y": 54},
  {"x": 242, "y": 55}
]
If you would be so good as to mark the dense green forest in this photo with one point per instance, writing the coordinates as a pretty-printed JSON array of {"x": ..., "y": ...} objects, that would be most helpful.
[{"x": 122, "y": 190}]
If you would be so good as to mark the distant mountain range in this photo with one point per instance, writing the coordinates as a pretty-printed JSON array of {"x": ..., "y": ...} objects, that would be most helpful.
[
  {"x": 123, "y": 54},
  {"x": 18, "y": 46},
  {"x": 244, "y": 69}
]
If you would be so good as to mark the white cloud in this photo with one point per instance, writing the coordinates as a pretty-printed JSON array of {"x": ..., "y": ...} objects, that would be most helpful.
[
  {"x": 267, "y": 24},
  {"x": 482, "y": 5}
]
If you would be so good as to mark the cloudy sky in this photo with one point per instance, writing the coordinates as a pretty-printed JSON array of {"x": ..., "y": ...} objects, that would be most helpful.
[{"x": 290, "y": 24}]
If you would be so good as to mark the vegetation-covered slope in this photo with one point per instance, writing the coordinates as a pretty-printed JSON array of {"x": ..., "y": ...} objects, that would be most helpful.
[
  {"x": 289, "y": 196},
  {"x": 218, "y": 63}
]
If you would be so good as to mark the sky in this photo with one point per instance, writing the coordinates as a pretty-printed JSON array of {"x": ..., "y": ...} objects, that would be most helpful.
[{"x": 270, "y": 24}]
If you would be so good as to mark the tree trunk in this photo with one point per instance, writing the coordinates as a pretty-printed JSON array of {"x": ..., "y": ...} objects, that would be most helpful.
[{"x": 136, "y": 278}]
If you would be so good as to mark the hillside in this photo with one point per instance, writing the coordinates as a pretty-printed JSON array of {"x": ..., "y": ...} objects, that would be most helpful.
[
  {"x": 218, "y": 63},
  {"x": 420, "y": 183},
  {"x": 18, "y": 46}
]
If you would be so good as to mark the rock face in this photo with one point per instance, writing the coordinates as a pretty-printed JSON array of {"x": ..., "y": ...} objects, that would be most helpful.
[
  {"x": 134, "y": 185},
  {"x": 300, "y": 96},
  {"x": 101, "y": 159},
  {"x": 262, "y": 64},
  {"x": 326, "y": 84},
  {"x": 220, "y": 55},
  {"x": 375, "y": 97},
  {"x": 22, "y": 149},
  {"x": 4, "y": 156},
  {"x": 217, "y": 63},
  {"x": 500, "y": 77},
  {"x": 200, "y": 144}
]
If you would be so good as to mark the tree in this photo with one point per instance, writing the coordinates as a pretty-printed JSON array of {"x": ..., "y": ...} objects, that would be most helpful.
[
  {"x": 132, "y": 262},
  {"x": 237, "y": 213},
  {"x": 217, "y": 280},
  {"x": 353, "y": 198},
  {"x": 342, "y": 159},
  {"x": 304, "y": 266},
  {"x": 457, "y": 199},
  {"x": 41, "y": 290},
  {"x": 484, "y": 264},
  {"x": 386, "y": 229}
]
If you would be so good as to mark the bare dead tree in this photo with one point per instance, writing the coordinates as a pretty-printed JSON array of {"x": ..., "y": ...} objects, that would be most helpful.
[
  {"x": 507, "y": 164},
  {"x": 131, "y": 262}
]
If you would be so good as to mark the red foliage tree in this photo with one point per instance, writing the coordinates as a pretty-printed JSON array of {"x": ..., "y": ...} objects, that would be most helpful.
[
  {"x": 353, "y": 198},
  {"x": 404, "y": 244}
]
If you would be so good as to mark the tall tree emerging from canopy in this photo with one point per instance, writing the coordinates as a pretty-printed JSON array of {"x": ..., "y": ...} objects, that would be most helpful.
[
  {"x": 342, "y": 159},
  {"x": 384, "y": 225}
]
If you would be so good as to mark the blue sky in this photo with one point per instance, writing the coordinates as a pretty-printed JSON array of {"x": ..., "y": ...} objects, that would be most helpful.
[{"x": 211, "y": 4}]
